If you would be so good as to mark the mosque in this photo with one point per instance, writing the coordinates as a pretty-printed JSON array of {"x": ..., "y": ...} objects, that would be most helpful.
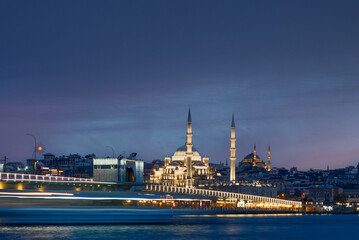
[
  {"x": 186, "y": 167},
  {"x": 254, "y": 160}
]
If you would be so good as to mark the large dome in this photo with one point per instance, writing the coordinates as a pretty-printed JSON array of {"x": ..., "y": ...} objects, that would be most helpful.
[
  {"x": 251, "y": 156},
  {"x": 182, "y": 150}
]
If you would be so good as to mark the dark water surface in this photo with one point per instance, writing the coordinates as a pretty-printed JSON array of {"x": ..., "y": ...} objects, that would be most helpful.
[{"x": 204, "y": 227}]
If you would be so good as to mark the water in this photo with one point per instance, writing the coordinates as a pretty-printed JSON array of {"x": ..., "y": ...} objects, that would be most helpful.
[{"x": 205, "y": 227}]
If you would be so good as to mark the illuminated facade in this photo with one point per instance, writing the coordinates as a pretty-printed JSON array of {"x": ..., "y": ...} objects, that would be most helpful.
[
  {"x": 255, "y": 161},
  {"x": 186, "y": 167}
]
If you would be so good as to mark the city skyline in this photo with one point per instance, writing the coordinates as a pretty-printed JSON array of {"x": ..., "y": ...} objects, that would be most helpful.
[{"x": 81, "y": 76}]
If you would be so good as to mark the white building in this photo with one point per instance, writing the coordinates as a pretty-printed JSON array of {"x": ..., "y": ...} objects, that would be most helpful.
[{"x": 117, "y": 170}]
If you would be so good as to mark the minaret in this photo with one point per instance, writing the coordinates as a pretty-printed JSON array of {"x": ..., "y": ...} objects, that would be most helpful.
[
  {"x": 233, "y": 151},
  {"x": 189, "y": 152},
  {"x": 268, "y": 168},
  {"x": 255, "y": 153}
]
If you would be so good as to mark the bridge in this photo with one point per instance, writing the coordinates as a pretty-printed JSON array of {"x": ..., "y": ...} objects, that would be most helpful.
[
  {"x": 33, "y": 178},
  {"x": 246, "y": 198}
]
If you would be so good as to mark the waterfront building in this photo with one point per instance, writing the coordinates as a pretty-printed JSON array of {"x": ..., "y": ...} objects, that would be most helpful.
[
  {"x": 351, "y": 196},
  {"x": 84, "y": 166},
  {"x": 118, "y": 170},
  {"x": 67, "y": 164},
  {"x": 48, "y": 159},
  {"x": 14, "y": 167},
  {"x": 186, "y": 167},
  {"x": 323, "y": 193},
  {"x": 254, "y": 188},
  {"x": 72, "y": 165}
]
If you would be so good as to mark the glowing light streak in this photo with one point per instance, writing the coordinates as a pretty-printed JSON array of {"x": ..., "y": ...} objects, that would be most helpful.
[
  {"x": 107, "y": 198},
  {"x": 35, "y": 194}
]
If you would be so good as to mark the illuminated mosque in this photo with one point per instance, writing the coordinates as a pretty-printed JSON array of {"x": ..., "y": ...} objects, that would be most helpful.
[
  {"x": 186, "y": 167},
  {"x": 253, "y": 160}
]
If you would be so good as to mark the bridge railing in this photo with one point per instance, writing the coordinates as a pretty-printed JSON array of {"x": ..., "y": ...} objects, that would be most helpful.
[
  {"x": 19, "y": 177},
  {"x": 215, "y": 193}
]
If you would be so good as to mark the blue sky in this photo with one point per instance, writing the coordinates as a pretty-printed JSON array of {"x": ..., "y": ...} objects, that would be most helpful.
[{"x": 83, "y": 75}]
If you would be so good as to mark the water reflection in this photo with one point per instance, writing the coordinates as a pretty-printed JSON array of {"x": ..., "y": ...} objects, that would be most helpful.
[{"x": 235, "y": 227}]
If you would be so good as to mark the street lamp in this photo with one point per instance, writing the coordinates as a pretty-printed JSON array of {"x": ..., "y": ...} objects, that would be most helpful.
[
  {"x": 113, "y": 151},
  {"x": 37, "y": 148},
  {"x": 34, "y": 160}
]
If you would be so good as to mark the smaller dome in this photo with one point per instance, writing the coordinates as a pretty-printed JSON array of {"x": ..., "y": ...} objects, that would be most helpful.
[
  {"x": 198, "y": 164},
  {"x": 175, "y": 163}
]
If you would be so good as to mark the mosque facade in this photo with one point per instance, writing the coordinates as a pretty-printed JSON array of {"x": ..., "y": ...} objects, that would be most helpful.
[
  {"x": 186, "y": 167},
  {"x": 254, "y": 160}
]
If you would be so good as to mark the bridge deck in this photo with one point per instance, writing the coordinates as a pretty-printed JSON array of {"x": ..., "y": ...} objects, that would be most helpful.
[
  {"x": 19, "y": 177},
  {"x": 215, "y": 193}
]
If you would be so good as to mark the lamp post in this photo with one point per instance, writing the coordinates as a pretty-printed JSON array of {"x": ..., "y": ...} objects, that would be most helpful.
[
  {"x": 113, "y": 151},
  {"x": 33, "y": 161}
]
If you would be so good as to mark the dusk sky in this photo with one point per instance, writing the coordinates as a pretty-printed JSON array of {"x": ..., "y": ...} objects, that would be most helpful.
[{"x": 83, "y": 75}]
